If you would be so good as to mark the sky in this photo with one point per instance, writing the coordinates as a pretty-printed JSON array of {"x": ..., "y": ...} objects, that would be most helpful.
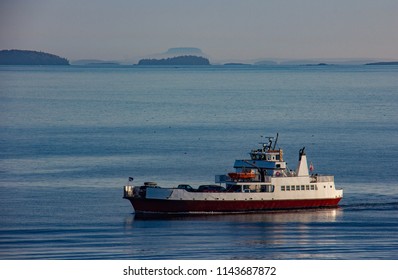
[{"x": 223, "y": 29}]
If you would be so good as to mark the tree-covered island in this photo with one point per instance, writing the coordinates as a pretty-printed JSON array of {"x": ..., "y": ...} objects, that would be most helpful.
[{"x": 24, "y": 57}]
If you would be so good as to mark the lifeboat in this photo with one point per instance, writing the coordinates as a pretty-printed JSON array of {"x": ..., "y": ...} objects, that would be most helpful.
[{"x": 241, "y": 175}]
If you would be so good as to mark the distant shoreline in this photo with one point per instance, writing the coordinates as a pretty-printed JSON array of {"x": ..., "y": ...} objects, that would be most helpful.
[
  {"x": 383, "y": 63},
  {"x": 37, "y": 58},
  {"x": 178, "y": 60}
]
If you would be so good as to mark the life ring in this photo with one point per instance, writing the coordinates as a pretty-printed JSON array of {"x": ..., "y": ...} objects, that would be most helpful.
[{"x": 277, "y": 174}]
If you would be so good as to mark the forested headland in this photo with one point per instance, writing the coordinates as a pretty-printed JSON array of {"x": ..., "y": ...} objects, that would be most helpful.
[{"x": 25, "y": 57}]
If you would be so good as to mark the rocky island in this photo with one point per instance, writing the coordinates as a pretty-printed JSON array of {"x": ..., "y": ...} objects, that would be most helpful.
[{"x": 25, "y": 57}]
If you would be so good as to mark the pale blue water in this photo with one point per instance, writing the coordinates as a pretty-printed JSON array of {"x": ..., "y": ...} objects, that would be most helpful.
[{"x": 71, "y": 136}]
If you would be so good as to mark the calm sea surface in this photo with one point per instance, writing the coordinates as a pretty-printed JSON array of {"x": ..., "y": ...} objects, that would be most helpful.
[{"x": 71, "y": 136}]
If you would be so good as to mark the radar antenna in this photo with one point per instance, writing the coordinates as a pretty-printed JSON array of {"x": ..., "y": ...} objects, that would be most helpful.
[{"x": 268, "y": 146}]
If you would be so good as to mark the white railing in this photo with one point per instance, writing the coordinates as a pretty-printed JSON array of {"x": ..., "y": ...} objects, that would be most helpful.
[
  {"x": 267, "y": 179},
  {"x": 128, "y": 191},
  {"x": 324, "y": 178},
  {"x": 225, "y": 178}
]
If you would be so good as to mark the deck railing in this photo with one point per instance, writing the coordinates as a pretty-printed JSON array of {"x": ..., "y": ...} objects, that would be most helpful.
[
  {"x": 315, "y": 178},
  {"x": 128, "y": 191},
  {"x": 322, "y": 178},
  {"x": 225, "y": 178}
]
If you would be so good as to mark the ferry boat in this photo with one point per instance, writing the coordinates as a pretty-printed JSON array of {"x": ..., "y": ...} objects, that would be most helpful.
[{"x": 262, "y": 182}]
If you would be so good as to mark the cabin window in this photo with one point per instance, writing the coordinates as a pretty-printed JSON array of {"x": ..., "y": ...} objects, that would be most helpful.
[
  {"x": 278, "y": 166},
  {"x": 278, "y": 157},
  {"x": 302, "y": 187},
  {"x": 312, "y": 187},
  {"x": 234, "y": 188},
  {"x": 293, "y": 188},
  {"x": 283, "y": 188},
  {"x": 331, "y": 187},
  {"x": 288, "y": 188},
  {"x": 307, "y": 187},
  {"x": 297, "y": 188},
  {"x": 267, "y": 188},
  {"x": 270, "y": 188}
]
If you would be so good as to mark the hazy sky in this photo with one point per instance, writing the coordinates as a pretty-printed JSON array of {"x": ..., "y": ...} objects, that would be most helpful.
[{"x": 223, "y": 29}]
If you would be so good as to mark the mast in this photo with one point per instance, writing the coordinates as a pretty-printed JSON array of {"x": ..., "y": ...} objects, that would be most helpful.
[{"x": 276, "y": 140}]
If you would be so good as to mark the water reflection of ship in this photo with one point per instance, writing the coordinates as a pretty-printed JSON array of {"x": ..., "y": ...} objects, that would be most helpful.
[
  {"x": 270, "y": 235},
  {"x": 280, "y": 216}
]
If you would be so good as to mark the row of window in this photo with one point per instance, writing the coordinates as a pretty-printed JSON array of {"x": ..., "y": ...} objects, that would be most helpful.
[
  {"x": 268, "y": 157},
  {"x": 270, "y": 188},
  {"x": 250, "y": 188},
  {"x": 262, "y": 188},
  {"x": 298, "y": 188}
]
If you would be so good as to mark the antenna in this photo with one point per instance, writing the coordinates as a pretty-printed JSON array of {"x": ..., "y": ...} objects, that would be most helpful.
[{"x": 276, "y": 140}]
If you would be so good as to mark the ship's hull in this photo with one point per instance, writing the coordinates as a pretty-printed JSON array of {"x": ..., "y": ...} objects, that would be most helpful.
[{"x": 144, "y": 205}]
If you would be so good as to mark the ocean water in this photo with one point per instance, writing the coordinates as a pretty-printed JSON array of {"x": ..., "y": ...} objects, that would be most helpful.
[{"x": 71, "y": 136}]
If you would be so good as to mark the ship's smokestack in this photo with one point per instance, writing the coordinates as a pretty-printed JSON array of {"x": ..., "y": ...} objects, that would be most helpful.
[{"x": 302, "y": 168}]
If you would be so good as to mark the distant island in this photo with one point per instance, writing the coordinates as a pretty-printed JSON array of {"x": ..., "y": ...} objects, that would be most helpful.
[
  {"x": 178, "y": 60},
  {"x": 383, "y": 63},
  {"x": 24, "y": 57},
  {"x": 236, "y": 64},
  {"x": 318, "y": 64}
]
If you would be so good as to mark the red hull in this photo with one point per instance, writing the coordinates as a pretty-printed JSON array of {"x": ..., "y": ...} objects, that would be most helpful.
[{"x": 181, "y": 206}]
